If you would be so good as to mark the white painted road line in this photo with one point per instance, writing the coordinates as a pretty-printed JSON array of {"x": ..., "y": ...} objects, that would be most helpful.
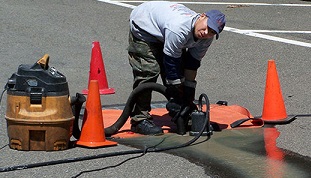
[
  {"x": 118, "y": 3},
  {"x": 235, "y": 30},
  {"x": 275, "y": 31},
  {"x": 231, "y": 3},
  {"x": 268, "y": 37}
]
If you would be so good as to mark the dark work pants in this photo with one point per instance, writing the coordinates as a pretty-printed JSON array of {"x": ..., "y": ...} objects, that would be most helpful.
[{"x": 146, "y": 60}]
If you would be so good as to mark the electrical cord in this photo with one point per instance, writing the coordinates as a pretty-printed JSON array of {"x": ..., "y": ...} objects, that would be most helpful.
[
  {"x": 5, "y": 88},
  {"x": 70, "y": 160},
  {"x": 4, "y": 146},
  {"x": 2, "y": 96},
  {"x": 107, "y": 167},
  {"x": 119, "y": 164}
]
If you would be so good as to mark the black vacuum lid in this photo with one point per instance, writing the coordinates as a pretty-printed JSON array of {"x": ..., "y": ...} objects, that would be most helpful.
[{"x": 39, "y": 77}]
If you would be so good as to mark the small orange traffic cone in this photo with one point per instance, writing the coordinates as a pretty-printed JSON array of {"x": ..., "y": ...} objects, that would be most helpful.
[
  {"x": 97, "y": 71},
  {"x": 93, "y": 132},
  {"x": 273, "y": 107}
]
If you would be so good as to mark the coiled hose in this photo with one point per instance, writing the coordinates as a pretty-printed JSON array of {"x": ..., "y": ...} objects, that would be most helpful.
[
  {"x": 79, "y": 99},
  {"x": 114, "y": 128}
]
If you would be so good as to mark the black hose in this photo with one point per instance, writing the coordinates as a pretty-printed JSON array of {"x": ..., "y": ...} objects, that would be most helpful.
[
  {"x": 76, "y": 105},
  {"x": 114, "y": 128}
]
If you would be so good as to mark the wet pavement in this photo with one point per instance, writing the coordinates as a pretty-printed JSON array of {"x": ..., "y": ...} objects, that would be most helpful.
[
  {"x": 235, "y": 153},
  {"x": 245, "y": 151}
]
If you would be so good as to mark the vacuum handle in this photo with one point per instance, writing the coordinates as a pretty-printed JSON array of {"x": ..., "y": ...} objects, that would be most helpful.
[{"x": 44, "y": 62}]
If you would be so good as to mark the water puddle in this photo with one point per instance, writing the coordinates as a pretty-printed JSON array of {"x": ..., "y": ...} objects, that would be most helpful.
[{"x": 234, "y": 153}]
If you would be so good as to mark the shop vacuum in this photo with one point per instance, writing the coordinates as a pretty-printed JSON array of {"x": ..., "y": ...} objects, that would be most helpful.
[{"x": 39, "y": 111}]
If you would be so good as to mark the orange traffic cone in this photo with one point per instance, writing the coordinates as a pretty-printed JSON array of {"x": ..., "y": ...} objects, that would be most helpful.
[
  {"x": 93, "y": 132},
  {"x": 273, "y": 107},
  {"x": 97, "y": 71}
]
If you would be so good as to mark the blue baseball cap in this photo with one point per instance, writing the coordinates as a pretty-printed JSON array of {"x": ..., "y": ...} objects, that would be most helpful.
[{"x": 216, "y": 21}]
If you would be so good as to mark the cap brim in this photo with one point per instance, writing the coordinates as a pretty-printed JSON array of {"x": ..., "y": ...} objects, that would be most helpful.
[{"x": 213, "y": 26}]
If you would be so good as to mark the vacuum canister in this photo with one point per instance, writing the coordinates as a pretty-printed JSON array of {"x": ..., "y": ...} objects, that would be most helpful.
[{"x": 39, "y": 114}]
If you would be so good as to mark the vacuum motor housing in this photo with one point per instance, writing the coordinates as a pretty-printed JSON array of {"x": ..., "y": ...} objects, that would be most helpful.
[{"x": 39, "y": 114}]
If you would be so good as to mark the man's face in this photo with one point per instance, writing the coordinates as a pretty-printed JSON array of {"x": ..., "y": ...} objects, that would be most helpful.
[{"x": 201, "y": 30}]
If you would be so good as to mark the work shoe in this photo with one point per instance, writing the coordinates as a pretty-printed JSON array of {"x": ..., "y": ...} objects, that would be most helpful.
[{"x": 146, "y": 127}]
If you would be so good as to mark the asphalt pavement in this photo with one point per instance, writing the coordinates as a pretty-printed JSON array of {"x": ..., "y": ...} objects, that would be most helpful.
[{"x": 233, "y": 70}]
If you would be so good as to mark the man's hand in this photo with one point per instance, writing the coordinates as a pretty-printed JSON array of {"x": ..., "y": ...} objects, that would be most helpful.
[
  {"x": 174, "y": 104},
  {"x": 173, "y": 107},
  {"x": 182, "y": 117},
  {"x": 181, "y": 96}
]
